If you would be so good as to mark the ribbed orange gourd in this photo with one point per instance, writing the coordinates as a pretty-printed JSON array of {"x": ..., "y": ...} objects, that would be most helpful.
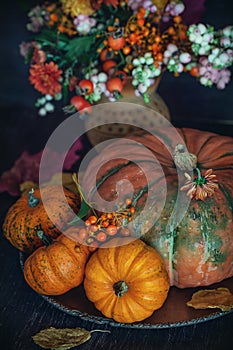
[
  {"x": 28, "y": 213},
  {"x": 126, "y": 283},
  {"x": 58, "y": 267},
  {"x": 198, "y": 251}
]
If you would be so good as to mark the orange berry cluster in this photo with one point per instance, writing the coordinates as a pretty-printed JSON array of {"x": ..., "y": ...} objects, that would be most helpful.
[
  {"x": 143, "y": 35},
  {"x": 101, "y": 229}
]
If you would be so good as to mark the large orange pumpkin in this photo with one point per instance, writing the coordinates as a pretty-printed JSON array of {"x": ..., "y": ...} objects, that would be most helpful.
[
  {"x": 58, "y": 267},
  {"x": 197, "y": 249},
  {"x": 128, "y": 282},
  {"x": 28, "y": 213}
]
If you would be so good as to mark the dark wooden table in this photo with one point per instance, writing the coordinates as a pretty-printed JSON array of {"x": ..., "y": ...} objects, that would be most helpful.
[{"x": 22, "y": 311}]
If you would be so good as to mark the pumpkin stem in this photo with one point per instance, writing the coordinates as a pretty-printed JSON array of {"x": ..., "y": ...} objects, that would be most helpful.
[
  {"x": 183, "y": 159},
  {"x": 120, "y": 288},
  {"x": 32, "y": 201},
  {"x": 42, "y": 236}
]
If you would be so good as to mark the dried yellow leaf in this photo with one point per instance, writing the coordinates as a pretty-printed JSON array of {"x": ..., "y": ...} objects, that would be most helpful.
[
  {"x": 65, "y": 338},
  {"x": 220, "y": 298}
]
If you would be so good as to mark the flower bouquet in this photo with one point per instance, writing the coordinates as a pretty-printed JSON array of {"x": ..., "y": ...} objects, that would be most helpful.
[{"x": 83, "y": 51}]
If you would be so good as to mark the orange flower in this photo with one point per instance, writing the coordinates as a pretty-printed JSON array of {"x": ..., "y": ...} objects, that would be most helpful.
[
  {"x": 202, "y": 186},
  {"x": 45, "y": 78}
]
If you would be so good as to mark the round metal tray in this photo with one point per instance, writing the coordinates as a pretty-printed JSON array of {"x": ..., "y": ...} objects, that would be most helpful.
[{"x": 174, "y": 312}]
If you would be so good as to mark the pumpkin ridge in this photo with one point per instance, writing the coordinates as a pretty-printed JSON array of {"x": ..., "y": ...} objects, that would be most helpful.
[
  {"x": 56, "y": 267},
  {"x": 114, "y": 171},
  {"x": 227, "y": 196},
  {"x": 129, "y": 268},
  {"x": 229, "y": 154},
  {"x": 108, "y": 301},
  {"x": 142, "y": 303},
  {"x": 9, "y": 221},
  {"x": 52, "y": 281},
  {"x": 171, "y": 252},
  {"x": 204, "y": 144},
  {"x": 143, "y": 190},
  {"x": 109, "y": 174},
  {"x": 214, "y": 168},
  {"x": 104, "y": 268},
  {"x": 34, "y": 260},
  {"x": 21, "y": 235},
  {"x": 163, "y": 138}
]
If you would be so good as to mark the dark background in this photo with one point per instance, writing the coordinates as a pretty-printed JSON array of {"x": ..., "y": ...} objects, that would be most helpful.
[
  {"x": 190, "y": 103},
  {"x": 23, "y": 312}
]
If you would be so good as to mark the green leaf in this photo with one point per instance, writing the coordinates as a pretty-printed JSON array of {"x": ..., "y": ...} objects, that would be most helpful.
[
  {"x": 85, "y": 206},
  {"x": 78, "y": 47},
  {"x": 84, "y": 209},
  {"x": 53, "y": 39}
]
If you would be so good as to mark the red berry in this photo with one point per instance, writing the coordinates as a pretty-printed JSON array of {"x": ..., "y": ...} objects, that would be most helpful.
[
  {"x": 101, "y": 236},
  {"x": 78, "y": 102},
  {"x": 82, "y": 235},
  {"x": 124, "y": 231},
  {"x": 93, "y": 228},
  {"x": 128, "y": 201},
  {"x": 116, "y": 43},
  {"x": 114, "y": 85},
  {"x": 86, "y": 86},
  {"x": 105, "y": 223},
  {"x": 92, "y": 219},
  {"x": 87, "y": 222},
  {"x": 112, "y": 230}
]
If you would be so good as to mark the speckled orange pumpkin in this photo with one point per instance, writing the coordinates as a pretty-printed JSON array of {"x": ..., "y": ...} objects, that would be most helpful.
[
  {"x": 58, "y": 267},
  {"x": 28, "y": 213},
  {"x": 126, "y": 283}
]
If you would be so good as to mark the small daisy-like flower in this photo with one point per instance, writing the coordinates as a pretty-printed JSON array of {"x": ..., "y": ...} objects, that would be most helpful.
[{"x": 202, "y": 186}]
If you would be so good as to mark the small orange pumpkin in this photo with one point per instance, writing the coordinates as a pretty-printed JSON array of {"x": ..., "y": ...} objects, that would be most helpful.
[
  {"x": 58, "y": 267},
  {"x": 28, "y": 213},
  {"x": 128, "y": 282}
]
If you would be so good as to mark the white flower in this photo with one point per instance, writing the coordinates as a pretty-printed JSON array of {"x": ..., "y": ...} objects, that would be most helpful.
[
  {"x": 49, "y": 107},
  {"x": 185, "y": 57},
  {"x": 42, "y": 112},
  {"x": 102, "y": 77}
]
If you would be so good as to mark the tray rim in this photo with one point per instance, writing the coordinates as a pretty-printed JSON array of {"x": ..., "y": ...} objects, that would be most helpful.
[{"x": 101, "y": 320}]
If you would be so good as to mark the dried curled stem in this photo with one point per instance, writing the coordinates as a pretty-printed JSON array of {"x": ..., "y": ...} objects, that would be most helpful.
[{"x": 183, "y": 159}]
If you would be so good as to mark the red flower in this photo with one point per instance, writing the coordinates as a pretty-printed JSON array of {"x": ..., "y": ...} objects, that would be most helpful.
[{"x": 45, "y": 78}]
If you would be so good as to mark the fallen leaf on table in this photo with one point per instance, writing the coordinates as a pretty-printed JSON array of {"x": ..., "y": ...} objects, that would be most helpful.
[
  {"x": 62, "y": 338},
  {"x": 220, "y": 298}
]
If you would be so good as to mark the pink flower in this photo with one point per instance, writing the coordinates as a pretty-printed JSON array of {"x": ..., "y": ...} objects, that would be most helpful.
[{"x": 202, "y": 186}]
